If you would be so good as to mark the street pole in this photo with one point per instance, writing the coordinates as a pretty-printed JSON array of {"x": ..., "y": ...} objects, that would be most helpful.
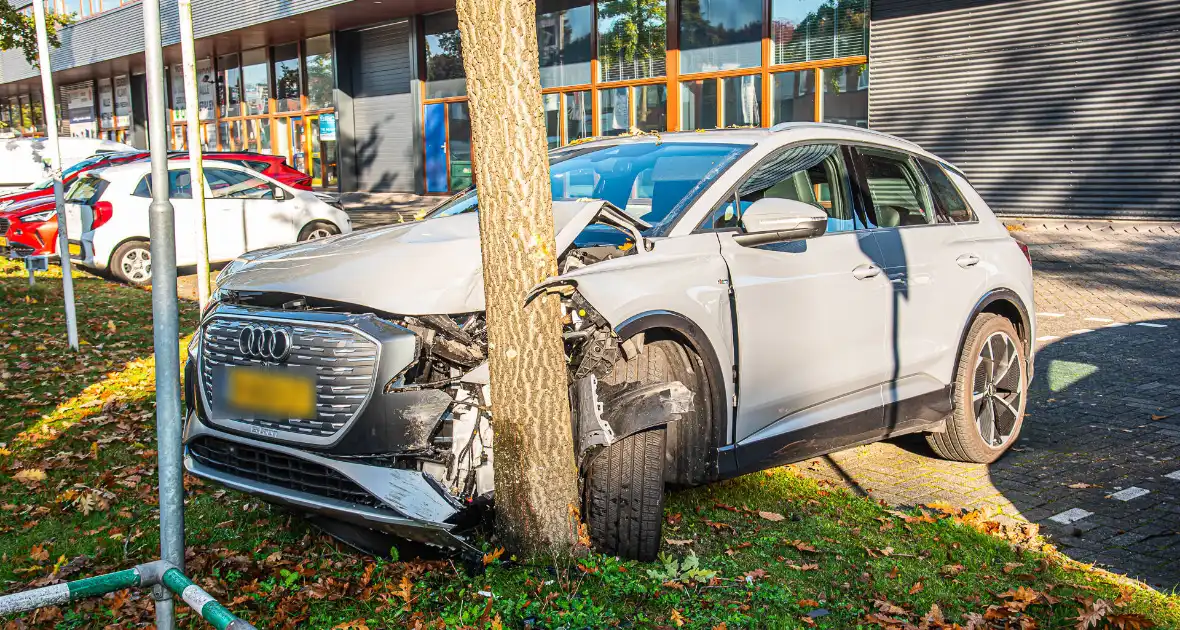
[
  {"x": 165, "y": 319},
  {"x": 195, "y": 164},
  {"x": 50, "y": 106}
]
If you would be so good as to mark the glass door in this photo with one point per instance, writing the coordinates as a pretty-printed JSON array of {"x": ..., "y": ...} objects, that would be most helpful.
[
  {"x": 448, "y": 147},
  {"x": 314, "y": 151},
  {"x": 297, "y": 144}
]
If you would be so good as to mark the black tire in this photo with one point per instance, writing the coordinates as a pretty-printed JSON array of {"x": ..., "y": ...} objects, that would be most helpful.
[
  {"x": 128, "y": 263},
  {"x": 318, "y": 229},
  {"x": 624, "y": 496},
  {"x": 970, "y": 436}
]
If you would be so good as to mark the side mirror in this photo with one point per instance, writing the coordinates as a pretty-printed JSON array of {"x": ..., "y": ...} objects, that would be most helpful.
[{"x": 773, "y": 220}]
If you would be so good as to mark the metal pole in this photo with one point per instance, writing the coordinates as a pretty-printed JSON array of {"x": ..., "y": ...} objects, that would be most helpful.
[
  {"x": 50, "y": 106},
  {"x": 165, "y": 319},
  {"x": 195, "y": 165}
]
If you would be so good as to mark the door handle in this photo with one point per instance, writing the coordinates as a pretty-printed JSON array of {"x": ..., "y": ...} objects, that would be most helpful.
[
  {"x": 864, "y": 272},
  {"x": 967, "y": 260}
]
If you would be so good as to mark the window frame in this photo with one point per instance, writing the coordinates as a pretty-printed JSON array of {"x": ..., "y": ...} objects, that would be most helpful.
[
  {"x": 942, "y": 211},
  {"x": 862, "y": 183}
]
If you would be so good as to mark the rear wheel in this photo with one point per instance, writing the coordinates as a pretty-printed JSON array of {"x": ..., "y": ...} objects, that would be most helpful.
[
  {"x": 990, "y": 391},
  {"x": 132, "y": 263},
  {"x": 317, "y": 230}
]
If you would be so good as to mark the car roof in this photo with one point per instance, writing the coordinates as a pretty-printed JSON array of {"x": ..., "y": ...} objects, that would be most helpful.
[{"x": 140, "y": 167}]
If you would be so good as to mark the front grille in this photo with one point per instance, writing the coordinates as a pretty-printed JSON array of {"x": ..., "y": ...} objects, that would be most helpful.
[
  {"x": 4, "y": 223},
  {"x": 20, "y": 251},
  {"x": 345, "y": 363},
  {"x": 279, "y": 470}
]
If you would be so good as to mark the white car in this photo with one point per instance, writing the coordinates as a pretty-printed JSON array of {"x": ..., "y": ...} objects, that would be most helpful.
[
  {"x": 23, "y": 161},
  {"x": 245, "y": 210},
  {"x": 732, "y": 300}
]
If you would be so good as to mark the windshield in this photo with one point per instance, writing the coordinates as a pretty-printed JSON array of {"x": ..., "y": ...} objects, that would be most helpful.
[
  {"x": 651, "y": 181},
  {"x": 88, "y": 162}
]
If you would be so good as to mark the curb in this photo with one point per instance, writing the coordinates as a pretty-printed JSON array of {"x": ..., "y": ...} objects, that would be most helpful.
[{"x": 1093, "y": 226}]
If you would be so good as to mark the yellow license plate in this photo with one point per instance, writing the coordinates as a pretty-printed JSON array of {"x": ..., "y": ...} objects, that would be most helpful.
[
  {"x": 270, "y": 393},
  {"x": 3, "y": 241},
  {"x": 75, "y": 249}
]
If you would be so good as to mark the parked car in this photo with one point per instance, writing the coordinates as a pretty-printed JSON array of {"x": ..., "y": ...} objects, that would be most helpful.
[
  {"x": 23, "y": 161},
  {"x": 732, "y": 300},
  {"x": 273, "y": 166},
  {"x": 44, "y": 188},
  {"x": 29, "y": 229},
  {"x": 245, "y": 210}
]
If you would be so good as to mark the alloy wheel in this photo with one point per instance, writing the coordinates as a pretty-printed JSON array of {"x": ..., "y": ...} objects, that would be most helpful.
[
  {"x": 137, "y": 265},
  {"x": 997, "y": 392},
  {"x": 319, "y": 233}
]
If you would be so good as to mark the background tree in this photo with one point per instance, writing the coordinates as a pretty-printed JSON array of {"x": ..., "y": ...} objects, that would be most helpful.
[
  {"x": 18, "y": 31},
  {"x": 536, "y": 476}
]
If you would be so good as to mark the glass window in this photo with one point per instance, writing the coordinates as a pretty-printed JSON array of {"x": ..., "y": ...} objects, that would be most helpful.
[
  {"x": 227, "y": 184},
  {"x": 444, "y": 56},
  {"x": 287, "y": 79},
  {"x": 698, "y": 104},
  {"x": 563, "y": 41},
  {"x": 804, "y": 30},
  {"x": 651, "y": 181},
  {"x": 459, "y": 141},
  {"x": 615, "y": 113},
  {"x": 794, "y": 96},
  {"x": 898, "y": 192},
  {"x": 255, "y": 85},
  {"x": 85, "y": 190},
  {"x": 176, "y": 81},
  {"x": 946, "y": 195},
  {"x": 321, "y": 77},
  {"x": 579, "y": 119},
  {"x": 552, "y": 105},
  {"x": 229, "y": 85},
  {"x": 846, "y": 95},
  {"x": 813, "y": 174},
  {"x": 720, "y": 35},
  {"x": 651, "y": 107},
  {"x": 743, "y": 101},
  {"x": 179, "y": 185},
  {"x": 632, "y": 37}
]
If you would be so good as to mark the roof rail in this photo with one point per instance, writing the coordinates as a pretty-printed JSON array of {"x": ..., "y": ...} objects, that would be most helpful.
[{"x": 787, "y": 125}]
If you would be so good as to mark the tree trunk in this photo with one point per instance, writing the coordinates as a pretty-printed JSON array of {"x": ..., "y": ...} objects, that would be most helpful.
[{"x": 536, "y": 476}]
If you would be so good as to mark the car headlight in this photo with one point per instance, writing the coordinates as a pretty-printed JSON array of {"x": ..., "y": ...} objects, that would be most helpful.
[{"x": 38, "y": 217}]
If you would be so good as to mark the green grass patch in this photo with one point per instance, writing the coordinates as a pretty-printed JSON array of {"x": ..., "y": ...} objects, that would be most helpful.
[{"x": 768, "y": 550}]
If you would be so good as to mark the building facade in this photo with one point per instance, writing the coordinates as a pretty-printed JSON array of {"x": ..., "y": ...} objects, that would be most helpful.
[{"x": 1051, "y": 107}]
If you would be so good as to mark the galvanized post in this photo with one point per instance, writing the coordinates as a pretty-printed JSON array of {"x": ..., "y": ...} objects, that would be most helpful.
[
  {"x": 50, "y": 109},
  {"x": 165, "y": 318},
  {"x": 195, "y": 165}
]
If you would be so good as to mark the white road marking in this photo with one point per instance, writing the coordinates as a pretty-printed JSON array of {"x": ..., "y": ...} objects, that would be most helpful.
[
  {"x": 1050, "y": 314},
  {"x": 1099, "y": 319},
  {"x": 1116, "y": 325},
  {"x": 1151, "y": 325},
  {"x": 1126, "y": 494},
  {"x": 1173, "y": 475},
  {"x": 1048, "y": 338},
  {"x": 1080, "y": 331},
  {"x": 1070, "y": 516}
]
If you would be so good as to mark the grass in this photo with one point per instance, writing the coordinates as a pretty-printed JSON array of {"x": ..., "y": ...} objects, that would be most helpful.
[{"x": 772, "y": 549}]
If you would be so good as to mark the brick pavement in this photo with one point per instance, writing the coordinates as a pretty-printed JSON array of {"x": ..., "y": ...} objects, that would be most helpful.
[{"x": 1098, "y": 462}]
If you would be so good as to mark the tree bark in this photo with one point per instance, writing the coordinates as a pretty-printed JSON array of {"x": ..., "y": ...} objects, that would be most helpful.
[{"x": 535, "y": 471}]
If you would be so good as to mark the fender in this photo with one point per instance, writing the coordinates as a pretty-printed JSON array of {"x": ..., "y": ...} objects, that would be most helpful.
[
  {"x": 698, "y": 342},
  {"x": 1002, "y": 295}
]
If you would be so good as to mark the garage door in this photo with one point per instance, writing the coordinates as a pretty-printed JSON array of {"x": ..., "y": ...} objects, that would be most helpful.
[{"x": 383, "y": 109}]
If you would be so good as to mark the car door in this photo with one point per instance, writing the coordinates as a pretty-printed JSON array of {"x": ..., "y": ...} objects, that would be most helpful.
[
  {"x": 809, "y": 314},
  {"x": 934, "y": 285},
  {"x": 187, "y": 219},
  {"x": 227, "y": 221},
  {"x": 267, "y": 221}
]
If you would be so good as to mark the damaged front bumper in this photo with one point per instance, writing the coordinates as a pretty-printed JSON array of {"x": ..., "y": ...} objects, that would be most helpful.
[{"x": 406, "y": 503}]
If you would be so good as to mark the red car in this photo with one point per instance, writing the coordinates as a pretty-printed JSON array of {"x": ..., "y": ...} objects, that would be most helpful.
[
  {"x": 29, "y": 230},
  {"x": 273, "y": 166}
]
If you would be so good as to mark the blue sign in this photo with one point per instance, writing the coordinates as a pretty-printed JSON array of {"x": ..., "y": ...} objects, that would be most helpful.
[{"x": 327, "y": 127}]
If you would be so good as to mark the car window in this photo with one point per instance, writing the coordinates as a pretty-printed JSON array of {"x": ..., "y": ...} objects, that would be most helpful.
[
  {"x": 897, "y": 190},
  {"x": 85, "y": 190},
  {"x": 813, "y": 174},
  {"x": 946, "y": 195},
  {"x": 179, "y": 185},
  {"x": 227, "y": 184}
]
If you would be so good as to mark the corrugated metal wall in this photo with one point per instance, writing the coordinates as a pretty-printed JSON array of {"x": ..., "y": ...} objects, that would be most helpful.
[
  {"x": 382, "y": 109},
  {"x": 1051, "y": 107}
]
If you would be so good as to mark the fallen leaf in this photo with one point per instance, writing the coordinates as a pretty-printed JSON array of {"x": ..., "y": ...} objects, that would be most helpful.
[
  {"x": 1160, "y": 417},
  {"x": 489, "y": 558},
  {"x": 677, "y": 618},
  {"x": 30, "y": 476},
  {"x": 803, "y": 567},
  {"x": 678, "y": 543},
  {"x": 771, "y": 516},
  {"x": 1081, "y": 486},
  {"x": 889, "y": 608},
  {"x": 916, "y": 588},
  {"x": 1091, "y": 613}
]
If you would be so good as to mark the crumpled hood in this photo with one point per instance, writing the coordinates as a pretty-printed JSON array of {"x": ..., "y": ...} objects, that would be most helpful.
[{"x": 420, "y": 268}]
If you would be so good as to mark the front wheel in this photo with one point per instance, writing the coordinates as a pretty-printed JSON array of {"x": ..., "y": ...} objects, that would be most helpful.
[
  {"x": 317, "y": 230},
  {"x": 624, "y": 496},
  {"x": 132, "y": 263},
  {"x": 991, "y": 384}
]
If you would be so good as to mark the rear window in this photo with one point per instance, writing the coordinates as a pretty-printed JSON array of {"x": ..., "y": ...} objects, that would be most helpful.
[
  {"x": 86, "y": 190},
  {"x": 946, "y": 195}
]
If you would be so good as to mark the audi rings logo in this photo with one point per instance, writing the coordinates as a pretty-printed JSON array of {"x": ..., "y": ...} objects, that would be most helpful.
[{"x": 265, "y": 342}]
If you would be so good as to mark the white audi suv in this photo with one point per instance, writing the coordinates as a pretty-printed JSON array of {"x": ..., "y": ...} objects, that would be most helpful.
[{"x": 733, "y": 300}]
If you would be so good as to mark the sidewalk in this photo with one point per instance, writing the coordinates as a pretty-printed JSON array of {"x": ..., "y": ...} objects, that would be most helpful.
[{"x": 1080, "y": 242}]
